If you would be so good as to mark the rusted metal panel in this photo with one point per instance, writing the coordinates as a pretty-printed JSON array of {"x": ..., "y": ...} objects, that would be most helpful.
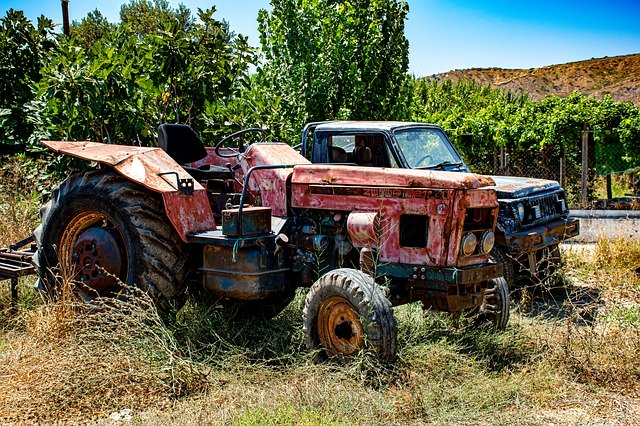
[
  {"x": 255, "y": 221},
  {"x": 364, "y": 229},
  {"x": 139, "y": 164},
  {"x": 155, "y": 170},
  {"x": 455, "y": 298},
  {"x": 95, "y": 151},
  {"x": 463, "y": 201},
  {"x": 376, "y": 177},
  {"x": 269, "y": 187},
  {"x": 244, "y": 269},
  {"x": 189, "y": 214},
  {"x": 388, "y": 206},
  {"x": 317, "y": 187}
]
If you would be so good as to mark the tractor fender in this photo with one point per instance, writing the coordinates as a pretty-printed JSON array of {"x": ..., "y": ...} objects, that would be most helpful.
[{"x": 155, "y": 170}]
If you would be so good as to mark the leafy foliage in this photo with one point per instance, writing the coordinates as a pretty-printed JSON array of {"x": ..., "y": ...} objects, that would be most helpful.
[
  {"x": 91, "y": 29},
  {"x": 330, "y": 59},
  {"x": 23, "y": 49},
  {"x": 146, "y": 16},
  {"x": 118, "y": 83},
  {"x": 540, "y": 130}
]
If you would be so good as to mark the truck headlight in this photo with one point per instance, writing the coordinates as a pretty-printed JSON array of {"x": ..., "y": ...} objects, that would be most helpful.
[
  {"x": 468, "y": 244},
  {"x": 520, "y": 208},
  {"x": 487, "y": 241}
]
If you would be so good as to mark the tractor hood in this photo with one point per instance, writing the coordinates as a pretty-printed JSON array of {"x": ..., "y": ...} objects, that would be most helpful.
[
  {"x": 333, "y": 174},
  {"x": 511, "y": 187}
]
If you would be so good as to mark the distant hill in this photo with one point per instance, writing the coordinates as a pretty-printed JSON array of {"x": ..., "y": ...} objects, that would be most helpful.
[{"x": 619, "y": 76}]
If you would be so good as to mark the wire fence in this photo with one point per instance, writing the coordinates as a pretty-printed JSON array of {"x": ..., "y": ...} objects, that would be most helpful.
[{"x": 594, "y": 173}]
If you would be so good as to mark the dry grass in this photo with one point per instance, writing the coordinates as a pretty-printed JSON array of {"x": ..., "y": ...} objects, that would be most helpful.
[
  {"x": 571, "y": 355},
  {"x": 68, "y": 363},
  {"x": 617, "y": 76}
]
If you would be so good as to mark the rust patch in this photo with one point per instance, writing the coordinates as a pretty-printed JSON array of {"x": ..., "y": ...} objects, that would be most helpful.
[
  {"x": 187, "y": 213},
  {"x": 414, "y": 178},
  {"x": 364, "y": 229}
]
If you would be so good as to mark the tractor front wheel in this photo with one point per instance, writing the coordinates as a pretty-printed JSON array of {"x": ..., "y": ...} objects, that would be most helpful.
[
  {"x": 346, "y": 311},
  {"x": 102, "y": 233}
]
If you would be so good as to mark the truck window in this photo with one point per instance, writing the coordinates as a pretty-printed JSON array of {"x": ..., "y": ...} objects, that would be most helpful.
[
  {"x": 361, "y": 149},
  {"x": 425, "y": 147}
]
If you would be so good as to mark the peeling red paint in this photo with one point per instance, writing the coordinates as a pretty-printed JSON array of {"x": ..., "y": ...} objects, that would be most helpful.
[
  {"x": 187, "y": 213},
  {"x": 271, "y": 185},
  {"x": 406, "y": 178},
  {"x": 364, "y": 229}
]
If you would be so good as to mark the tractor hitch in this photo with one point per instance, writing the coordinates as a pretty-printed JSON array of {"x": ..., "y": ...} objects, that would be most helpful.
[{"x": 17, "y": 261}]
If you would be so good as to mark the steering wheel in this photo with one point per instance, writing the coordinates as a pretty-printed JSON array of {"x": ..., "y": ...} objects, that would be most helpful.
[
  {"x": 423, "y": 158},
  {"x": 240, "y": 136}
]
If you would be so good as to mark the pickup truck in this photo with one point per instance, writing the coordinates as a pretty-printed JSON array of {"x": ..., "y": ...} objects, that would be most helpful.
[{"x": 533, "y": 215}]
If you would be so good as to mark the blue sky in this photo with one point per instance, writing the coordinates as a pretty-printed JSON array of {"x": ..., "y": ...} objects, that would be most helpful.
[{"x": 445, "y": 35}]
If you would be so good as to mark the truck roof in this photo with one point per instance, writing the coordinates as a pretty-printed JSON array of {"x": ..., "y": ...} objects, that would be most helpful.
[{"x": 368, "y": 125}]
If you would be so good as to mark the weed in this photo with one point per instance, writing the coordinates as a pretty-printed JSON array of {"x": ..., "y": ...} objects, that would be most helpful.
[
  {"x": 571, "y": 354},
  {"x": 74, "y": 363}
]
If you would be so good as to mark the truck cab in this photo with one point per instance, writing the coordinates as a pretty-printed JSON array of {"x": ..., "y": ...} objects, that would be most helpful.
[{"x": 533, "y": 215}]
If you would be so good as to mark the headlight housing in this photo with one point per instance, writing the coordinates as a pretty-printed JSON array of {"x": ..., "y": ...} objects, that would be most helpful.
[
  {"x": 520, "y": 210},
  {"x": 487, "y": 241},
  {"x": 468, "y": 244}
]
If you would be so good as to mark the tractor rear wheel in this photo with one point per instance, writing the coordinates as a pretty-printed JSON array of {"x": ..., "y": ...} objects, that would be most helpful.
[
  {"x": 103, "y": 233},
  {"x": 346, "y": 311}
]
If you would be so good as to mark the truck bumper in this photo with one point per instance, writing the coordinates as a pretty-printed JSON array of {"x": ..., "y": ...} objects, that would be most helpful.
[
  {"x": 542, "y": 236},
  {"x": 438, "y": 276},
  {"x": 449, "y": 289}
]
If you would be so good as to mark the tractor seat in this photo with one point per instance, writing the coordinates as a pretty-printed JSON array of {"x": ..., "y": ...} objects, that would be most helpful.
[{"x": 182, "y": 144}]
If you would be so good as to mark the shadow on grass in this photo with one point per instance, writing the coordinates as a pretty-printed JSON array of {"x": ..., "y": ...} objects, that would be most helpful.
[
  {"x": 211, "y": 332},
  {"x": 558, "y": 298}
]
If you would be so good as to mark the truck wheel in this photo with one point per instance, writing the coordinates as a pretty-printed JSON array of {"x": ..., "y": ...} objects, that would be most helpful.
[
  {"x": 346, "y": 311},
  {"x": 495, "y": 306},
  {"x": 99, "y": 231},
  {"x": 498, "y": 255}
]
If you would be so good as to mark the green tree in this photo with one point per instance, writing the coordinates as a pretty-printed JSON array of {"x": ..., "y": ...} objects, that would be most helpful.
[
  {"x": 150, "y": 16},
  {"x": 91, "y": 29},
  {"x": 23, "y": 49},
  {"x": 335, "y": 59},
  {"x": 122, "y": 87}
]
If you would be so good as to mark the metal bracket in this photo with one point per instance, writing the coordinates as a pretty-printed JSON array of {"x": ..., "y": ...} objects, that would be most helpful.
[{"x": 184, "y": 186}]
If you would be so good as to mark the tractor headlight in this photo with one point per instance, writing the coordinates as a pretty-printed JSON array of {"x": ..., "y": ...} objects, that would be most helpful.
[
  {"x": 520, "y": 208},
  {"x": 487, "y": 241},
  {"x": 468, "y": 244}
]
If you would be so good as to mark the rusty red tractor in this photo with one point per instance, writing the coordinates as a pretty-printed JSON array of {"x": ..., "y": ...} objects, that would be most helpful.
[{"x": 253, "y": 223}]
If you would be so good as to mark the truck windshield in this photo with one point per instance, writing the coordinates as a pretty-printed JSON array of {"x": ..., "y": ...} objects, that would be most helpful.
[{"x": 426, "y": 148}]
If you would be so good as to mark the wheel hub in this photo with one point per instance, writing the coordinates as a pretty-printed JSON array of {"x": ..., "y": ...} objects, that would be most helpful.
[
  {"x": 98, "y": 259},
  {"x": 339, "y": 327}
]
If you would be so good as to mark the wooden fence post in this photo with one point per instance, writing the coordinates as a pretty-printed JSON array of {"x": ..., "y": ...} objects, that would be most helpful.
[{"x": 588, "y": 166}]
